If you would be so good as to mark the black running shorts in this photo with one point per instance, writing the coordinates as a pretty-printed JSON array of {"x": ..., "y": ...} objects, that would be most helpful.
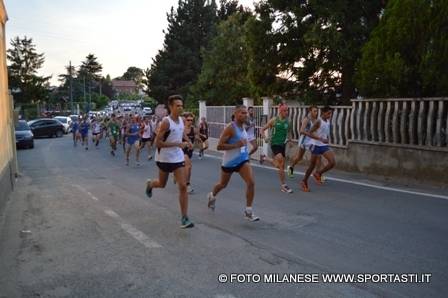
[
  {"x": 169, "y": 167},
  {"x": 276, "y": 149}
]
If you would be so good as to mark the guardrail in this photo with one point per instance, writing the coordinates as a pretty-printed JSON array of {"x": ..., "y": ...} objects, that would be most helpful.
[{"x": 417, "y": 123}]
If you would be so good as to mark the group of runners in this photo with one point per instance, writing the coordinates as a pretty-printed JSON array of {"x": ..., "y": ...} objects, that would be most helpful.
[
  {"x": 175, "y": 135},
  {"x": 314, "y": 137}
]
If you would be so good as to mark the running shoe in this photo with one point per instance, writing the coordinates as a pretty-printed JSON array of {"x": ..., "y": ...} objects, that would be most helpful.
[
  {"x": 290, "y": 172},
  {"x": 190, "y": 189},
  {"x": 149, "y": 157},
  {"x": 250, "y": 216},
  {"x": 285, "y": 188},
  {"x": 112, "y": 152},
  {"x": 318, "y": 178},
  {"x": 186, "y": 223},
  {"x": 211, "y": 201},
  {"x": 87, "y": 148},
  {"x": 148, "y": 190},
  {"x": 262, "y": 158},
  {"x": 304, "y": 186},
  {"x": 138, "y": 164}
]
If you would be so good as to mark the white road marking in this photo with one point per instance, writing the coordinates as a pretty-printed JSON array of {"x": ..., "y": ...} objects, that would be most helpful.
[
  {"x": 87, "y": 192},
  {"x": 134, "y": 232},
  {"x": 112, "y": 214},
  {"x": 92, "y": 196},
  {"x": 424, "y": 194}
]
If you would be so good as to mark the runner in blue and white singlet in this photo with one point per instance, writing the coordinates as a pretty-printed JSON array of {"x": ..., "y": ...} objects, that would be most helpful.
[
  {"x": 233, "y": 142},
  {"x": 132, "y": 140},
  {"x": 233, "y": 159},
  {"x": 304, "y": 139},
  {"x": 320, "y": 135}
]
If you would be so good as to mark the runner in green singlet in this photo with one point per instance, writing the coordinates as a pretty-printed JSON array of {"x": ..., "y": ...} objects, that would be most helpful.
[{"x": 280, "y": 127}]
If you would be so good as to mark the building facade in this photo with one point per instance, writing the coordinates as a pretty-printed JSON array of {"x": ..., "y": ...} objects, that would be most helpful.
[{"x": 7, "y": 143}]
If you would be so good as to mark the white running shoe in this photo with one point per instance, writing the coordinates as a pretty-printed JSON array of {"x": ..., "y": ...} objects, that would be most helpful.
[
  {"x": 285, "y": 188},
  {"x": 250, "y": 216},
  {"x": 211, "y": 201}
]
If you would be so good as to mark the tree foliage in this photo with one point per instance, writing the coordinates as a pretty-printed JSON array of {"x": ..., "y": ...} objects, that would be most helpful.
[
  {"x": 90, "y": 68},
  {"x": 407, "y": 54},
  {"x": 133, "y": 74},
  {"x": 24, "y": 63},
  {"x": 177, "y": 65},
  {"x": 223, "y": 78},
  {"x": 314, "y": 45}
]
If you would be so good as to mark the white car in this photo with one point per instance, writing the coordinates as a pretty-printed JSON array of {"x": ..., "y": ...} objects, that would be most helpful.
[
  {"x": 147, "y": 111},
  {"x": 66, "y": 122}
]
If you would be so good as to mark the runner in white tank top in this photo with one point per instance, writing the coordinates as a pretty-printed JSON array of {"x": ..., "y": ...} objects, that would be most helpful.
[
  {"x": 146, "y": 139},
  {"x": 251, "y": 131},
  {"x": 170, "y": 157},
  {"x": 320, "y": 135}
]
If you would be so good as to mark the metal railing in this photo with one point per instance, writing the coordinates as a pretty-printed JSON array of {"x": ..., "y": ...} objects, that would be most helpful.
[
  {"x": 406, "y": 122},
  {"x": 419, "y": 123}
]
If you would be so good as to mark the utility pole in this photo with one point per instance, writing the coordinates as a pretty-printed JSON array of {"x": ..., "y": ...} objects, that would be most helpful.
[
  {"x": 90, "y": 95},
  {"x": 71, "y": 87},
  {"x": 84, "y": 79}
]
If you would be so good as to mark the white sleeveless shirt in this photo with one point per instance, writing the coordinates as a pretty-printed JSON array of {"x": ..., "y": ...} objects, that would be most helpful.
[
  {"x": 322, "y": 132},
  {"x": 147, "y": 131},
  {"x": 172, "y": 154}
]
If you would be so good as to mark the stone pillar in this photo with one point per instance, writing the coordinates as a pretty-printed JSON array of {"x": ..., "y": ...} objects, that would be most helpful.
[
  {"x": 267, "y": 103},
  {"x": 248, "y": 102},
  {"x": 202, "y": 109}
]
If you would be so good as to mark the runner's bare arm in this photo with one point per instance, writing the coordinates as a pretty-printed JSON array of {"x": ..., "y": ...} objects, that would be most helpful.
[
  {"x": 303, "y": 125},
  {"x": 224, "y": 138},
  {"x": 268, "y": 125},
  {"x": 186, "y": 139}
]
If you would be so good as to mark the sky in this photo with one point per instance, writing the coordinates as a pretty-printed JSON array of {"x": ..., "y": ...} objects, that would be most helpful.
[{"x": 120, "y": 33}]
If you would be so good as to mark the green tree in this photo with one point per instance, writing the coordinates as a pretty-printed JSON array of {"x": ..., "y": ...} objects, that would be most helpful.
[
  {"x": 106, "y": 87},
  {"x": 177, "y": 65},
  {"x": 24, "y": 63},
  {"x": 91, "y": 68},
  {"x": 146, "y": 81},
  {"x": 99, "y": 101},
  {"x": 407, "y": 54},
  {"x": 223, "y": 78},
  {"x": 133, "y": 74},
  {"x": 313, "y": 44}
]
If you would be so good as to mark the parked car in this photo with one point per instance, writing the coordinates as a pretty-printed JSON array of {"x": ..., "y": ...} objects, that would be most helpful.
[
  {"x": 24, "y": 135},
  {"x": 147, "y": 111},
  {"x": 46, "y": 127},
  {"x": 74, "y": 117},
  {"x": 66, "y": 121}
]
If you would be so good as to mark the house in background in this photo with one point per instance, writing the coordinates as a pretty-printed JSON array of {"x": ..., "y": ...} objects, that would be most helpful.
[
  {"x": 8, "y": 165},
  {"x": 125, "y": 87}
]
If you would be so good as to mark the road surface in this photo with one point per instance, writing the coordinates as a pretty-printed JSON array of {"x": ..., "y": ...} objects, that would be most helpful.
[{"x": 79, "y": 225}]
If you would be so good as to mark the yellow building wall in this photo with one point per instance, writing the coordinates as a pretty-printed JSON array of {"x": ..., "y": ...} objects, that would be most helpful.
[{"x": 6, "y": 120}]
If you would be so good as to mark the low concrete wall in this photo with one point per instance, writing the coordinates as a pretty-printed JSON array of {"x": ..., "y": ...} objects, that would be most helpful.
[{"x": 407, "y": 165}]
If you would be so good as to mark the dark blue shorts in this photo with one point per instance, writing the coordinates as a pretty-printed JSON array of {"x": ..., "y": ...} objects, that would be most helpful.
[
  {"x": 319, "y": 150},
  {"x": 235, "y": 168}
]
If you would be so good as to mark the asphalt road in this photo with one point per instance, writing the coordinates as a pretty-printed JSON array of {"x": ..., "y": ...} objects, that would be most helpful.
[{"x": 79, "y": 225}]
